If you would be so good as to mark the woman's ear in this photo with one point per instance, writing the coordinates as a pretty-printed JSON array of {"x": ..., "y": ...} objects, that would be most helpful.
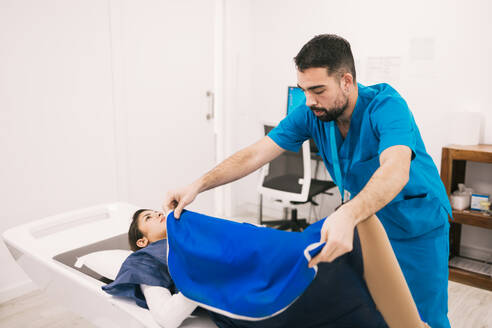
[{"x": 142, "y": 242}]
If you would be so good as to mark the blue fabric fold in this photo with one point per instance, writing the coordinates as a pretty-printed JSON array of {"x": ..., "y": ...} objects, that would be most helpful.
[
  {"x": 240, "y": 270},
  {"x": 237, "y": 270}
]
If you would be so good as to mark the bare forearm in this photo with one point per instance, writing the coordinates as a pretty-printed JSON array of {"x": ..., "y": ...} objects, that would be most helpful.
[
  {"x": 383, "y": 186},
  {"x": 240, "y": 164},
  {"x": 234, "y": 167},
  {"x": 388, "y": 180},
  {"x": 237, "y": 166}
]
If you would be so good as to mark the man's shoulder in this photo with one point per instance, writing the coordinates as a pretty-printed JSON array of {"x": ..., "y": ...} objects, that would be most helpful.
[
  {"x": 300, "y": 119},
  {"x": 380, "y": 96},
  {"x": 378, "y": 91}
]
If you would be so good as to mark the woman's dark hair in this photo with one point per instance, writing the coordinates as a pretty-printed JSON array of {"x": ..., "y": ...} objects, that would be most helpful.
[
  {"x": 326, "y": 50},
  {"x": 134, "y": 232}
]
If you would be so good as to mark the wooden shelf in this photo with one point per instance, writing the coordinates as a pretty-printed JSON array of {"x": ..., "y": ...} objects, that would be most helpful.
[
  {"x": 470, "y": 278},
  {"x": 477, "y": 153},
  {"x": 453, "y": 169},
  {"x": 473, "y": 218}
]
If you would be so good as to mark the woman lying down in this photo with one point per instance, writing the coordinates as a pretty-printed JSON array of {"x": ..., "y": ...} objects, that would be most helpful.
[{"x": 249, "y": 276}]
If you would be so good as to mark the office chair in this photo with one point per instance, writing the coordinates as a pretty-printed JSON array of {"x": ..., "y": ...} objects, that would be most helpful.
[{"x": 288, "y": 180}]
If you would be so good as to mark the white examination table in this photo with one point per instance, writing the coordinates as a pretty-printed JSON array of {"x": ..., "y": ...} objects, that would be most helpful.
[{"x": 47, "y": 249}]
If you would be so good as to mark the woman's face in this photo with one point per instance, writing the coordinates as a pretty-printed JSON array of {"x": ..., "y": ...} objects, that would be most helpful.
[{"x": 152, "y": 224}]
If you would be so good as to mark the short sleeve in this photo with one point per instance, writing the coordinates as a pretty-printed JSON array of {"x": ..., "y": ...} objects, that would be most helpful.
[
  {"x": 394, "y": 124},
  {"x": 293, "y": 130},
  {"x": 139, "y": 268}
]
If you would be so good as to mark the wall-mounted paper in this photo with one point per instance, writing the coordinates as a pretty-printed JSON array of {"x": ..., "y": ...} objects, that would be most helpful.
[{"x": 383, "y": 69}]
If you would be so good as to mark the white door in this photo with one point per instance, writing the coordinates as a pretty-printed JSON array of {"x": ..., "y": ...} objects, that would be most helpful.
[{"x": 164, "y": 61}]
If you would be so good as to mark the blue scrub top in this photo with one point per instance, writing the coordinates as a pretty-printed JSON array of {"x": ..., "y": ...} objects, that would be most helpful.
[{"x": 381, "y": 119}]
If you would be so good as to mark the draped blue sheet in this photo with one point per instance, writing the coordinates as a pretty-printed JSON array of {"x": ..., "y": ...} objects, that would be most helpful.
[
  {"x": 245, "y": 274},
  {"x": 240, "y": 270}
]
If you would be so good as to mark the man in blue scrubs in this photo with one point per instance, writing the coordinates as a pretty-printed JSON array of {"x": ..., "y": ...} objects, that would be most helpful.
[{"x": 372, "y": 147}]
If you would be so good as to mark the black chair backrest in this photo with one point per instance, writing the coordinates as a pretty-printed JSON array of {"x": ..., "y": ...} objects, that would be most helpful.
[{"x": 285, "y": 171}]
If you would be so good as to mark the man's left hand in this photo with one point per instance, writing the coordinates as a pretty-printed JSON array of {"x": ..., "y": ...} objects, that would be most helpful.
[{"x": 338, "y": 233}]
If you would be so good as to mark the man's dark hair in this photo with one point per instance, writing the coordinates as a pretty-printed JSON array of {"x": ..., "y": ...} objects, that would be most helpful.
[
  {"x": 134, "y": 232},
  {"x": 327, "y": 50}
]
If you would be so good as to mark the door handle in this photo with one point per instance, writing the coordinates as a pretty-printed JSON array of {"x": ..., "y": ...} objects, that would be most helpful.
[{"x": 211, "y": 103}]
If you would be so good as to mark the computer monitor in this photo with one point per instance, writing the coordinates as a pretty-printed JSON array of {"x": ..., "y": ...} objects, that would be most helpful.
[{"x": 295, "y": 99}]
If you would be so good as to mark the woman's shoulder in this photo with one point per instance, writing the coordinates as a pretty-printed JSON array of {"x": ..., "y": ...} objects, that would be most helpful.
[
  {"x": 147, "y": 266},
  {"x": 156, "y": 251}
]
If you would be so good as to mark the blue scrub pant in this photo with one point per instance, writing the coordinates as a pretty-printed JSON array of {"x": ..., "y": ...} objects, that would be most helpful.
[{"x": 424, "y": 262}]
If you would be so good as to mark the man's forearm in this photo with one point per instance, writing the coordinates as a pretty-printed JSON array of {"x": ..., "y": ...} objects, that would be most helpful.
[
  {"x": 240, "y": 164},
  {"x": 388, "y": 180},
  {"x": 232, "y": 168},
  {"x": 383, "y": 186}
]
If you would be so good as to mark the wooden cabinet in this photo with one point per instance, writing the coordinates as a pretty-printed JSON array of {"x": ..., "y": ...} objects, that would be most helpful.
[{"x": 453, "y": 166}]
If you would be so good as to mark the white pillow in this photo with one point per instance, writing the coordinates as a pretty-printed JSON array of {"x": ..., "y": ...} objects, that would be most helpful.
[{"x": 106, "y": 263}]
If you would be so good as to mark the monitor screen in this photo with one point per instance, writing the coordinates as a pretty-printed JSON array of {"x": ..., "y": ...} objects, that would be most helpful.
[{"x": 295, "y": 98}]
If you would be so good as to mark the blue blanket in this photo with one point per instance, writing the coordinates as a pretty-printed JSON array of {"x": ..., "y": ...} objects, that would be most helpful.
[
  {"x": 240, "y": 270},
  {"x": 244, "y": 273}
]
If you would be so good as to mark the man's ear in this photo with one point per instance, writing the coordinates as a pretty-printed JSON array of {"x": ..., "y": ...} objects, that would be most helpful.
[
  {"x": 142, "y": 242},
  {"x": 346, "y": 81}
]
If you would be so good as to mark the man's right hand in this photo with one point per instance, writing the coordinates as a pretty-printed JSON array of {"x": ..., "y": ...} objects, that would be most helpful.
[{"x": 177, "y": 199}]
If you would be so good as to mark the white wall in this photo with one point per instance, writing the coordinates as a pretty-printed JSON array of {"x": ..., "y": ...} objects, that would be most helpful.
[
  {"x": 100, "y": 101},
  {"x": 56, "y": 114},
  {"x": 434, "y": 52}
]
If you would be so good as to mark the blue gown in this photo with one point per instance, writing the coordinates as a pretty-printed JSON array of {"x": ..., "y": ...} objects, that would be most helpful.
[{"x": 249, "y": 276}]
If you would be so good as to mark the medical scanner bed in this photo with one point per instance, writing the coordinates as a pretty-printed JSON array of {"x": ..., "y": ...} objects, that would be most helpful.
[{"x": 48, "y": 250}]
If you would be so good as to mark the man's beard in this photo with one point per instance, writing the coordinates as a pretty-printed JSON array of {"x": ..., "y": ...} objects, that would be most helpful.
[{"x": 332, "y": 114}]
